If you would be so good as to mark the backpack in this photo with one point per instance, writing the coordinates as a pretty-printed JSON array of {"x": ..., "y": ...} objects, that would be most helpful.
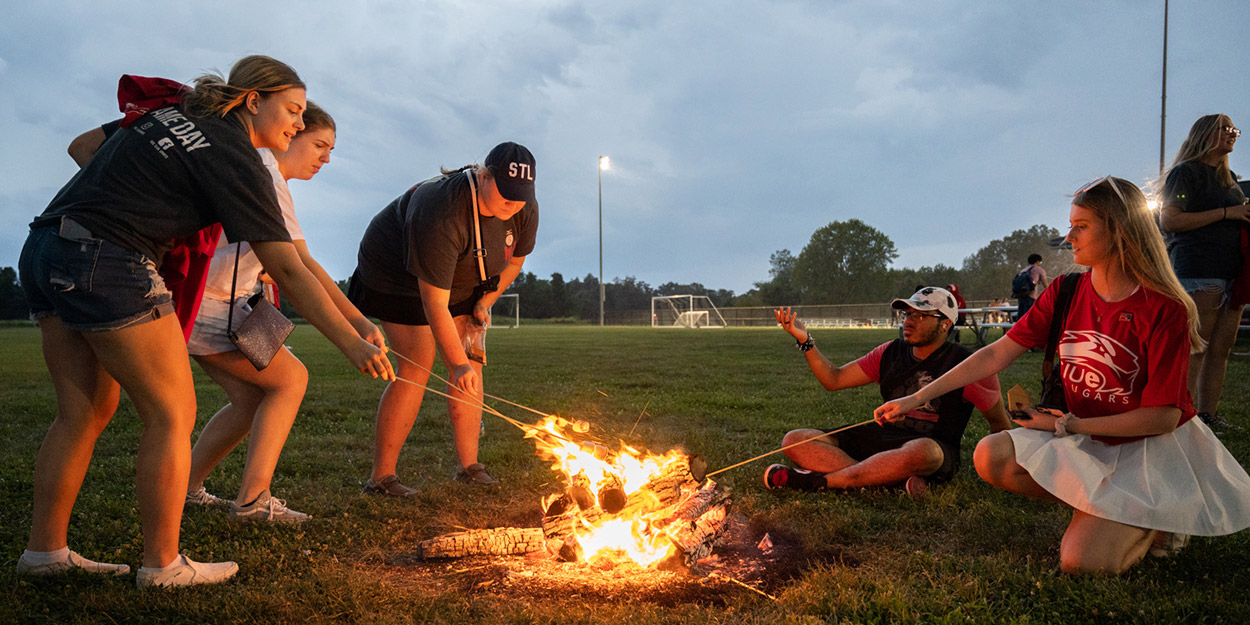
[{"x": 1022, "y": 284}]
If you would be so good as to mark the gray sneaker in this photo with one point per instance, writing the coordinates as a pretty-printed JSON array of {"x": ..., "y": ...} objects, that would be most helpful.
[
  {"x": 202, "y": 497},
  {"x": 267, "y": 508},
  {"x": 186, "y": 572},
  {"x": 475, "y": 474},
  {"x": 73, "y": 562},
  {"x": 388, "y": 486}
]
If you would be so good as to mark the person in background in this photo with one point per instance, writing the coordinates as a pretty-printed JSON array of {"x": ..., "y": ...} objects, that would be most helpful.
[
  {"x": 1037, "y": 276},
  {"x": 430, "y": 266},
  {"x": 106, "y": 318},
  {"x": 921, "y": 449},
  {"x": 1139, "y": 473},
  {"x": 263, "y": 404},
  {"x": 1204, "y": 212}
]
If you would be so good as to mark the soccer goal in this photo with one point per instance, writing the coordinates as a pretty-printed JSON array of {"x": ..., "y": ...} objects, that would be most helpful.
[
  {"x": 506, "y": 313},
  {"x": 685, "y": 311}
]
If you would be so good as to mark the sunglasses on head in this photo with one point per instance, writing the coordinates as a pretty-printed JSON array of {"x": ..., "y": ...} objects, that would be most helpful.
[{"x": 1107, "y": 179}]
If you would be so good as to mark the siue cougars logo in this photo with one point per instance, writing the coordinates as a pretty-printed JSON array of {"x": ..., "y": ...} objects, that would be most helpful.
[{"x": 1098, "y": 366}]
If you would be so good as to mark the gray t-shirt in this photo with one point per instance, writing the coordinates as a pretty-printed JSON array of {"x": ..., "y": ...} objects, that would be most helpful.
[
  {"x": 169, "y": 176},
  {"x": 1214, "y": 250},
  {"x": 427, "y": 234}
]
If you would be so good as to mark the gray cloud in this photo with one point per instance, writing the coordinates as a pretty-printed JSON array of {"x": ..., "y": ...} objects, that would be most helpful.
[{"x": 734, "y": 129}]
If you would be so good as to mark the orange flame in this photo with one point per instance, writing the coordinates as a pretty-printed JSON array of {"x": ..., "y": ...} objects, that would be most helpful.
[{"x": 643, "y": 538}]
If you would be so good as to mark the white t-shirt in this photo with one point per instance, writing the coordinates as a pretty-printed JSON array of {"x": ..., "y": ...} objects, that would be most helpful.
[{"x": 221, "y": 271}]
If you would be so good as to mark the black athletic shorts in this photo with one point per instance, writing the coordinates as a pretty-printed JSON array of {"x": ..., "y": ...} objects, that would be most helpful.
[
  {"x": 402, "y": 309},
  {"x": 868, "y": 440}
]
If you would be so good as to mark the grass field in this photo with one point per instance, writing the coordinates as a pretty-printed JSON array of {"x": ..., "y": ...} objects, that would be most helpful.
[{"x": 966, "y": 554}]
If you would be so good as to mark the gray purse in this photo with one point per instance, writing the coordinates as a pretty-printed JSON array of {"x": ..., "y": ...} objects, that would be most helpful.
[{"x": 260, "y": 336}]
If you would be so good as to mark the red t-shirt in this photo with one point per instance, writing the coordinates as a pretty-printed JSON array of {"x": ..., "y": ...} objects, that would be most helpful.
[{"x": 1115, "y": 356}]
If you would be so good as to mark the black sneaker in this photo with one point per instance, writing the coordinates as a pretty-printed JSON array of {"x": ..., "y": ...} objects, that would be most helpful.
[
  {"x": 779, "y": 476},
  {"x": 475, "y": 474},
  {"x": 1217, "y": 423}
]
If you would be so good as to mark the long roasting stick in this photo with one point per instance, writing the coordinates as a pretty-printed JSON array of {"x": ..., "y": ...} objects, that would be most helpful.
[
  {"x": 803, "y": 442},
  {"x": 476, "y": 404}
]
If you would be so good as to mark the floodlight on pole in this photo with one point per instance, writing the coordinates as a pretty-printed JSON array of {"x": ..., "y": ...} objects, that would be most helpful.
[{"x": 603, "y": 165}]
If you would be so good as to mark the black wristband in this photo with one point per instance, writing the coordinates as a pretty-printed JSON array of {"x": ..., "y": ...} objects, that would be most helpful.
[{"x": 806, "y": 346}]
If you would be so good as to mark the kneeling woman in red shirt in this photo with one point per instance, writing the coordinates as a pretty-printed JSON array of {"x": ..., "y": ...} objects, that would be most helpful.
[{"x": 1138, "y": 470}]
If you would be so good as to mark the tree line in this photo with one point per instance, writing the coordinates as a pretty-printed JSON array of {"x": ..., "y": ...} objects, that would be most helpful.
[{"x": 844, "y": 262}]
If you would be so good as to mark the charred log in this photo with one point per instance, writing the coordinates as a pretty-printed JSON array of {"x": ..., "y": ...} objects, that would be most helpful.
[{"x": 496, "y": 542}]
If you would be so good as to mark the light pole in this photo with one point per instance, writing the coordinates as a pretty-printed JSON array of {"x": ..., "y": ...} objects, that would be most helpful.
[{"x": 603, "y": 164}]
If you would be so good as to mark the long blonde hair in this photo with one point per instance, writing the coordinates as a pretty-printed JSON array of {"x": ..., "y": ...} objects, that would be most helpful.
[
  {"x": 214, "y": 97},
  {"x": 1137, "y": 244},
  {"x": 1203, "y": 137}
]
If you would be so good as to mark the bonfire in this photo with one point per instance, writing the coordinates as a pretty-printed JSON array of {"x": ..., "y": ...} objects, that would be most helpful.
[{"x": 623, "y": 505}]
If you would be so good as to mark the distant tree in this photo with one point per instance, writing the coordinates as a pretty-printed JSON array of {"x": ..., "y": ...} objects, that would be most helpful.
[
  {"x": 628, "y": 293},
  {"x": 987, "y": 273},
  {"x": 779, "y": 290},
  {"x": 12, "y": 299},
  {"x": 845, "y": 262},
  {"x": 903, "y": 282}
]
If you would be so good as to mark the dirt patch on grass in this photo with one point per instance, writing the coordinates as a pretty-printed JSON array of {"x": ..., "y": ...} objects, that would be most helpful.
[{"x": 738, "y": 565}]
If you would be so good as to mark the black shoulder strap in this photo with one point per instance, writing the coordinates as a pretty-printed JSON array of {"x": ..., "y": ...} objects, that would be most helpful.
[
  {"x": 238, "y": 251},
  {"x": 1062, "y": 301}
]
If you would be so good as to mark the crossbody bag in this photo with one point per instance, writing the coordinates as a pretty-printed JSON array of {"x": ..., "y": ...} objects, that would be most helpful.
[{"x": 261, "y": 335}]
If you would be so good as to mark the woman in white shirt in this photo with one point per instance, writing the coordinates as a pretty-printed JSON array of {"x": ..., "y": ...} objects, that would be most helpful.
[{"x": 262, "y": 403}]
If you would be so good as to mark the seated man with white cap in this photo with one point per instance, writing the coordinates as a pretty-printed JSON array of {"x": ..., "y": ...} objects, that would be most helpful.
[{"x": 921, "y": 449}]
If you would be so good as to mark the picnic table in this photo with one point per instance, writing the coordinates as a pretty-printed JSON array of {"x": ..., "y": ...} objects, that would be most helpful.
[{"x": 981, "y": 320}]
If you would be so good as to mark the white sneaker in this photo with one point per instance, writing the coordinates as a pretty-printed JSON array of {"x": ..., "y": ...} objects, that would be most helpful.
[
  {"x": 186, "y": 572},
  {"x": 267, "y": 508},
  {"x": 202, "y": 497},
  {"x": 71, "y": 562}
]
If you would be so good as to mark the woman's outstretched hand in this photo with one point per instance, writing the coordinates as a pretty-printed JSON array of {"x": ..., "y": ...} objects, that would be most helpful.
[
  {"x": 895, "y": 410},
  {"x": 370, "y": 360},
  {"x": 466, "y": 379}
]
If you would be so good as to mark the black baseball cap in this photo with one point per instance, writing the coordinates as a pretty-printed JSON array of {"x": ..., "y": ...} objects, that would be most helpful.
[{"x": 512, "y": 165}]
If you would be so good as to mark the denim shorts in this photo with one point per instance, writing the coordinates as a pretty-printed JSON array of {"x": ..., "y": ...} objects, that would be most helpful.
[
  {"x": 91, "y": 284},
  {"x": 1209, "y": 285}
]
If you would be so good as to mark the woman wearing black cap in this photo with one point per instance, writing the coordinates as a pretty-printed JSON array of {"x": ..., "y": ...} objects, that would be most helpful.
[{"x": 430, "y": 266}]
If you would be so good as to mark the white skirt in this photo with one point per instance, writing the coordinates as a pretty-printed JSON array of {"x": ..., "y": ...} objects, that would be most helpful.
[{"x": 1184, "y": 481}]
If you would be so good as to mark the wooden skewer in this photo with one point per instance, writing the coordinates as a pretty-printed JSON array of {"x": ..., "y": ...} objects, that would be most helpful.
[{"x": 803, "y": 442}]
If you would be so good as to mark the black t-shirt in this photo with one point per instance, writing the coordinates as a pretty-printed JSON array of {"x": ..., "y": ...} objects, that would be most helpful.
[
  {"x": 902, "y": 374},
  {"x": 168, "y": 176},
  {"x": 427, "y": 233},
  {"x": 1214, "y": 250}
]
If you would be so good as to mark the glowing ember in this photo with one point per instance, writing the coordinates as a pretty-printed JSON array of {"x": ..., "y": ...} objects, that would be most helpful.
[{"x": 615, "y": 517}]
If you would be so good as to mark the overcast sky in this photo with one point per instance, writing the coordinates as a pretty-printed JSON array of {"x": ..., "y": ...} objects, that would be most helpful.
[{"x": 735, "y": 128}]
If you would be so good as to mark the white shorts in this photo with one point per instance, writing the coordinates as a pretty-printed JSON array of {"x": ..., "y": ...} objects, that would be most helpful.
[{"x": 209, "y": 334}]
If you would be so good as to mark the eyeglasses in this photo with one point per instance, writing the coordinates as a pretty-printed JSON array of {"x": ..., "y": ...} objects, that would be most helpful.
[
  {"x": 1232, "y": 130},
  {"x": 1107, "y": 179},
  {"x": 917, "y": 316}
]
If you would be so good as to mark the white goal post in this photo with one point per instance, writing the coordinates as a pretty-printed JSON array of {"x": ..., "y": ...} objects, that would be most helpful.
[
  {"x": 509, "y": 314},
  {"x": 685, "y": 311}
]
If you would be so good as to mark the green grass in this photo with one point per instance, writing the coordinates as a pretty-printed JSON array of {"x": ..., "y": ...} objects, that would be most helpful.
[{"x": 967, "y": 554}]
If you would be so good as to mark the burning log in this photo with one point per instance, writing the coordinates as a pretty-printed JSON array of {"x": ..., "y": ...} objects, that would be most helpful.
[
  {"x": 501, "y": 541},
  {"x": 662, "y": 491},
  {"x": 695, "y": 540}
]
